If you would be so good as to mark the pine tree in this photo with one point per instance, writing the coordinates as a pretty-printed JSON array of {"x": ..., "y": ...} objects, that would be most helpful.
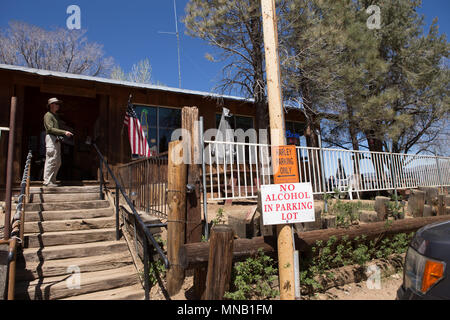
[{"x": 234, "y": 28}]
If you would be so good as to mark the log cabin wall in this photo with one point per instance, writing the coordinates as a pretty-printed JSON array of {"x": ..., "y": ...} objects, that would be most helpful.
[{"x": 92, "y": 107}]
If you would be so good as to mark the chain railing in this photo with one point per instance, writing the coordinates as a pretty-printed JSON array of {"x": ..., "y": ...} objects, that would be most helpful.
[{"x": 15, "y": 236}]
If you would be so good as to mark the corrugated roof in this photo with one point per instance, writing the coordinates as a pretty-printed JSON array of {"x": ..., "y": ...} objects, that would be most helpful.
[{"x": 118, "y": 82}]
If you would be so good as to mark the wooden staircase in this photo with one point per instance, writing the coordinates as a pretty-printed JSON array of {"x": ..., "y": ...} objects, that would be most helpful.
[{"x": 70, "y": 229}]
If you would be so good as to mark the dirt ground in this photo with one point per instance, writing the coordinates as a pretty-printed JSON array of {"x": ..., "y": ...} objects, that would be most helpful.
[
  {"x": 354, "y": 291},
  {"x": 360, "y": 291}
]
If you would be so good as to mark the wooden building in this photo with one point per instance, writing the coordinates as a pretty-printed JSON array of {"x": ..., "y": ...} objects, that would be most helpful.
[{"x": 95, "y": 107}]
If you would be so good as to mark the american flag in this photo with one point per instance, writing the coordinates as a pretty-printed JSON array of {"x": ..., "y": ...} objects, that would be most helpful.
[{"x": 138, "y": 141}]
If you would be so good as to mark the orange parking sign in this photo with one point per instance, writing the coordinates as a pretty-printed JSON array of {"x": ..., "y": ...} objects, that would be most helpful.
[{"x": 284, "y": 163}]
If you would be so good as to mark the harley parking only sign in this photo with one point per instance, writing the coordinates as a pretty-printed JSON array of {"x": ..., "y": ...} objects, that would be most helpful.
[{"x": 287, "y": 203}]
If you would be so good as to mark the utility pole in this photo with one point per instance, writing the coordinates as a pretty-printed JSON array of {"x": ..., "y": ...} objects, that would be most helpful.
[{"x": 285, "y": 234}]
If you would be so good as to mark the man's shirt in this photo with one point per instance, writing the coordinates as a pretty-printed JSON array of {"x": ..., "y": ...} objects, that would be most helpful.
[{"x": 51, "y": 124}]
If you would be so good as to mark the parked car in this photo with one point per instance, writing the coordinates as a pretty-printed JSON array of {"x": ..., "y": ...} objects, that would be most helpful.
[{"x": 426, "y": 274}]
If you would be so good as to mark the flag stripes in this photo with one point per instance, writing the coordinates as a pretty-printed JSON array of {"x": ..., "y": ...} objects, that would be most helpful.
[{"x": 138, "y": 141}]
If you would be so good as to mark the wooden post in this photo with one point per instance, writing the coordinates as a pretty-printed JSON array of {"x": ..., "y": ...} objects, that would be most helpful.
[
  {"x": 189, "y": 119},
  {"x": 176, "y": 194},
  {"x": 12, "y": 269},
  {"x": 277, "y": 135},
  {"x": 189, "y": 122},
  {"x": 9, "y": 168},
  {"x": 220, "y": 262}
]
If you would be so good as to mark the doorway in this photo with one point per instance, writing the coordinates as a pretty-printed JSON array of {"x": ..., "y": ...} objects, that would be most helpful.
[{"x": 78, "y": 115}]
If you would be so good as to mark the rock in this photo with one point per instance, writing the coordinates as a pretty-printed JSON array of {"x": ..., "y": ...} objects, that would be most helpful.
[
  {"x": 416, "y": 202},
  {"x": 368, "y": 216},
  {"x": 381, "y": 207}
]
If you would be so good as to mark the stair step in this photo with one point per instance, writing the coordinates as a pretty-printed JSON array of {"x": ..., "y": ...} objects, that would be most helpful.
[
  {"x": 65, "y": 189},
  {"x": 63, "y": 197},
  {"x": 74, "y": 250},
  {"x": 57, "y": 287},
  {"x": 67, "y": 237},
  {"x": 68, "y": 225},
  {"x": 52, "y": 268},
  {"x": 33, "y": 216},
  {"x": 76, "y": 205},
  {"x": 135, "y": 292}
]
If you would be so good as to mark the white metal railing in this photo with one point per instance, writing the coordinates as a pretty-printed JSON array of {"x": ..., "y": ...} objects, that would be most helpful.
[{"x": 236, "y": 170}]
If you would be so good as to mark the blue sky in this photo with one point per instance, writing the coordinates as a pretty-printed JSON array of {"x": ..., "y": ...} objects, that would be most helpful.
[{"x": 129, "y": 33}]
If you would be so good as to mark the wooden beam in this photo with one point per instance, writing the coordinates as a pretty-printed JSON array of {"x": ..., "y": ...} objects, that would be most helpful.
[
  {"x": 68, "y": 90},
  {"x": 195, "y": 255}
]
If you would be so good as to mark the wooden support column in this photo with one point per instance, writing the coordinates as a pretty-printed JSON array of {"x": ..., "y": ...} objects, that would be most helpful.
[
  {"x": 20, "y": 142},
  {"x": 220, "y": 262},
  {"x": 176, "y": 197},
  {"x": 9, "y": 168},
  {"x": 277, "y": 136}
]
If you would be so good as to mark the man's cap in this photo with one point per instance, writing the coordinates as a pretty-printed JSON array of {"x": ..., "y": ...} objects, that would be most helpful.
[{"x": 53, "y": 100}]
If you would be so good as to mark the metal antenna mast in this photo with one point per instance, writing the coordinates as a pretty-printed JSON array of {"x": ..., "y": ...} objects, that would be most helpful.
[{"x": 178, "y": 41}]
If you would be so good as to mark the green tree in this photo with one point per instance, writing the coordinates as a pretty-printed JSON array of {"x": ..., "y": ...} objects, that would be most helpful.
[{"x": 395, "y": 85}]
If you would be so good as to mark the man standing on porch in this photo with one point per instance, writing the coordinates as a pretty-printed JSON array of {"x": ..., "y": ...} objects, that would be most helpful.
[{"x": 53, "y": 140}]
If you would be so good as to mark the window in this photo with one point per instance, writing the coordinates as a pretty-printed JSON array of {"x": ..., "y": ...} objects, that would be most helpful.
[
  {"x": 294, "y": 132},
  {"x": 237, "y": 122},
  {"x": 158, "y": 124}
]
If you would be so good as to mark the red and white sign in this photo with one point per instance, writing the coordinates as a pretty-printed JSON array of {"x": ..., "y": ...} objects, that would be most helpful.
[{"x": 287, "y": 203}]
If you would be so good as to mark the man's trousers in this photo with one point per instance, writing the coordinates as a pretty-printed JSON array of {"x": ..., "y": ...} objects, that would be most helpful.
[{"x": 52, "y": 159}]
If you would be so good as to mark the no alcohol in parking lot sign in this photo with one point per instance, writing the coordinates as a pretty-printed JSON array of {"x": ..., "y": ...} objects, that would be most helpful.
[{"x": 287, "y": 203}]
